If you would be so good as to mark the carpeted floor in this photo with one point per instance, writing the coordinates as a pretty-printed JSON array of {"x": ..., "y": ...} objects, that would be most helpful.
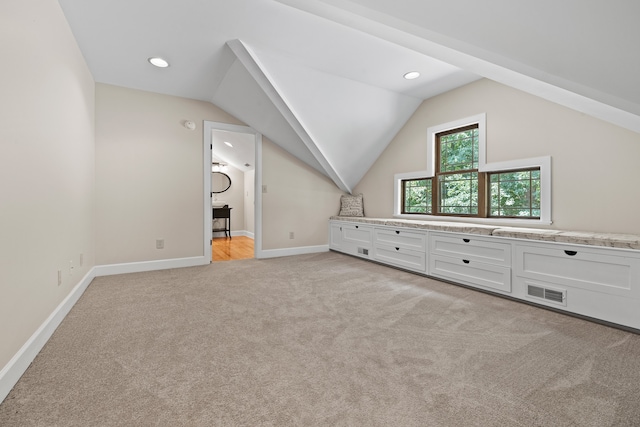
[{"x": 321, "y": 340}]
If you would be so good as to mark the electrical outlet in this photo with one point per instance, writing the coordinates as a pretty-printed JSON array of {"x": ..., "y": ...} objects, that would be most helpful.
[
  {"x": 160, "y": 244},
  {"x": 71, "y": 268},
  {"x": 59, "y": 277},
  {"x": 264, "y": 188},
  {"x": 291, "y": 235}
]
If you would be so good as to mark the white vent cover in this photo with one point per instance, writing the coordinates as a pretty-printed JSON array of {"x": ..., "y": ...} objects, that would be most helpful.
[
  {"x": 363, "y": 251},
  {"x": 557, "y": 296}
]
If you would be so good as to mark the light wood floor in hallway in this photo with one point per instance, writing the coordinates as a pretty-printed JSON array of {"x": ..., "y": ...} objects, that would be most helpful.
[{"x": 226, "y": 249}]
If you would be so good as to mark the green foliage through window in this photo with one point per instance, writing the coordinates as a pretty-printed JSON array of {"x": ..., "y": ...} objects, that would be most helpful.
[
  {"x": 457, "y": 173},
  {"x": 515, "y": 194},
  {"x": 416, "y": 196},
  {"x": 459, "y": 150},
  {"x": 458, "y": 188},
  {"x": 459, "y": 193}
]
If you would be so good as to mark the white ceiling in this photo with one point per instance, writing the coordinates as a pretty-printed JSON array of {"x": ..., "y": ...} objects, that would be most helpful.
[
  {"x": 241, "y": 153},
  {"x": 323, "y": 78}
]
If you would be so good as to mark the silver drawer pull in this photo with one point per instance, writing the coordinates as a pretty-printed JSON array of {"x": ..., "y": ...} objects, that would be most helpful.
[
  {"x": 466, "y": 261},
  {"x": 466, "y": 240},
  {"x": 571, "y": 253}
]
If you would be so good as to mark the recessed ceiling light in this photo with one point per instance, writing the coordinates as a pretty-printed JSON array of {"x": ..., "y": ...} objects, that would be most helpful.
[
  {"x": 412, "y": 75},
  {"x": 229, "y": 144},
  {"x": 158, "y": 62}
]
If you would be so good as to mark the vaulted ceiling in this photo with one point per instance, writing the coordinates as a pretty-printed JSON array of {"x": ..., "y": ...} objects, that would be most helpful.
[{"x": 323, "y": 78}]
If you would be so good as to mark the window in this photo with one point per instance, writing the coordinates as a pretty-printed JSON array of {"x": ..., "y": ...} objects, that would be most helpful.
[
  {"x": 416, "y": 196},
  {"x": 459, "y": 190},
  {"x": 459, "y": 183},
  {"x": 515, "y": 194}
]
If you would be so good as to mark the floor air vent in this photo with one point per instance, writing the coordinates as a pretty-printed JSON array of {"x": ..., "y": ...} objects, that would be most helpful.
[
  {"x": 363, "y": 251},
  {"x": 553, "y": 295}
]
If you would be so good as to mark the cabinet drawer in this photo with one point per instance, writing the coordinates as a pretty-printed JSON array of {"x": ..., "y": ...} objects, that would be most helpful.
[
  {"x": 583, "y": 268},
  {"x": 406, "y": 258},
  {"x": 401, "y": 239},
  {"x": 470, "y": 272},
  {"x": 357, "y": 234},
  {"x": 472, "y": 248}
]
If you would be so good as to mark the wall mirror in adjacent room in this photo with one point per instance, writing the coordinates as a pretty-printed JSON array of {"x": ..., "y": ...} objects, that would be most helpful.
[{"x": 220, "y": 182}]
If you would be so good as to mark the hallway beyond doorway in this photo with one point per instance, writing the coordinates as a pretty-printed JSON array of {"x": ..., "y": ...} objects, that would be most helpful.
[{"x": 226, "y": 249}]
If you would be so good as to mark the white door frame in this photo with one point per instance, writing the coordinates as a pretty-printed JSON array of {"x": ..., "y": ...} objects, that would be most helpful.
[{"x": 208, "y": 127}]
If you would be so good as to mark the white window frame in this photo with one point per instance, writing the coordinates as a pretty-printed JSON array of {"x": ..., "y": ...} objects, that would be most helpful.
[{"x": 544, "y": 163}]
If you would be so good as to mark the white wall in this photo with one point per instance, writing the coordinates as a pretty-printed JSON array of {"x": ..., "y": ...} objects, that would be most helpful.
[
  {"x": 595, "y": 171},
  {"x": 298, "y": 199},
  {"x": 46, "y": 167},
  {"x": 149, "y": 182}
]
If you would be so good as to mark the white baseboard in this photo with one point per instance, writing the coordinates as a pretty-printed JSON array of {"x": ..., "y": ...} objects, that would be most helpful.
[
  {"x": 12, "y": 371},
  {"x": 234, "y": 233},
  {"x": 274, "y": 253},
  {"x": 137, "y": 267}
]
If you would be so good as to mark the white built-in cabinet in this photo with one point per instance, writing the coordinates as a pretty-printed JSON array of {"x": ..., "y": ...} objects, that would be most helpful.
[
  {"x": 598, "y": 282},
  {"x": 401, "y": 248},
  {"x": 351, "y": 238},
  {"x": 471, "y": 260}
]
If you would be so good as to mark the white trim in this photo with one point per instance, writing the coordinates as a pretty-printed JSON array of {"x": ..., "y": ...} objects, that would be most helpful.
[
  {"x": 138, "y": 267},
  {"x": 397, "y": 191},
  {"x": 275, "y": 253},
  {"x": 250, "y": 61},
  {"x": 473, "y": 59},
  {"x": 244, "y": 233},
  {"x": 493, "y": 221},
  {"x": 257, "y": 199},
  {"x": 544, "y": 163},
  {"x": 207, "y": 140},
  {"x": 16, "y": 367},
  {"x": 12, "y": 371}
]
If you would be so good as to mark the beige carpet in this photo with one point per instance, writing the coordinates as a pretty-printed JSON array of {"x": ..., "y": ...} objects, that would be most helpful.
[{"x": 321, "y": 340}]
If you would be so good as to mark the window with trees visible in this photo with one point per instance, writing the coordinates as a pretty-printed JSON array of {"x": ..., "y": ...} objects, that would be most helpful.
[
  {"x": 458, "y": 188},
  {"x": 515, "y": 194},
  {"x": 416, "y": 196}
]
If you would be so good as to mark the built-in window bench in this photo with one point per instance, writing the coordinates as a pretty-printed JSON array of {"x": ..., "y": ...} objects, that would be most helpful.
[{"x": 595, "y": 275}]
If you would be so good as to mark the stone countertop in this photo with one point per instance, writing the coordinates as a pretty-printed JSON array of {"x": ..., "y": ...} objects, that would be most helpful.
[
  {"x": 454, "y": 227},
  {"x": 624, "y": 241}
]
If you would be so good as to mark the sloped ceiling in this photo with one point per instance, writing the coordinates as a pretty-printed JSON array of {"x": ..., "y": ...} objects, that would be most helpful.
[
  {"x": 581, "y": 54},
  {"x": 323, "y": 78}
]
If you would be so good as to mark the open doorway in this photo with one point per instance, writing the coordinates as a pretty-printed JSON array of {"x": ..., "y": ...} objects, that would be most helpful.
[{"x": 233, "y": 220}]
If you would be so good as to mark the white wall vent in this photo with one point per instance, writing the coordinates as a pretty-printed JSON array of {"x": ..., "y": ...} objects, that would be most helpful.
[
  {"x": 557, "y": 296},
  {"x": 363, "y": 251}
]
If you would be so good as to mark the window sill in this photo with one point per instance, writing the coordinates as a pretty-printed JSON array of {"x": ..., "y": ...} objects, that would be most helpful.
[{"x": 492, "y": 221}]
